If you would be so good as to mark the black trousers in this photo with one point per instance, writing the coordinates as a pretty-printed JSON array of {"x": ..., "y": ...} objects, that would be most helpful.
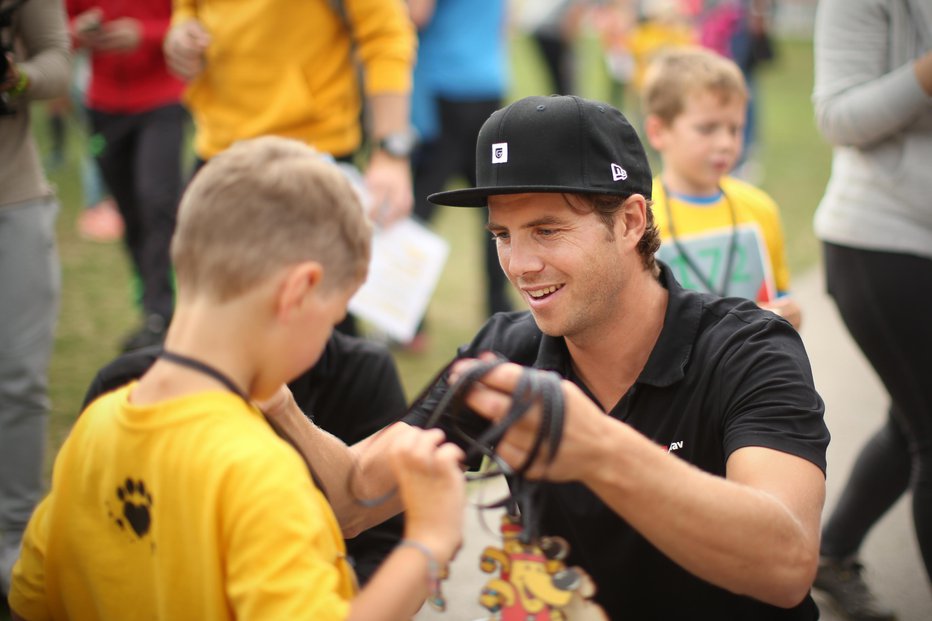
[
  {"x": 452, "y": 154},
  {"x": 885, "y": 300},
  {"x": 140, "y": 161}
]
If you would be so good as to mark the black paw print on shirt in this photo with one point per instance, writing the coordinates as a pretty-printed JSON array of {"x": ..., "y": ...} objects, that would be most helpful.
[{"x": 137, "y": 503}]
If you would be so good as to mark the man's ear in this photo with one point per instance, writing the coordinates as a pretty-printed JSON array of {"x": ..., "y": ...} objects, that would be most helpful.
[
  {"x": 655, "y": 129},
  {"x": 631, "y": 220},
  {"x": 298, "y": 285}
]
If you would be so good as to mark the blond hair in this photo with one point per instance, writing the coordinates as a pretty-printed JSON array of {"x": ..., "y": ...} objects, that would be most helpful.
[
  {"x": 676, "y": 74},
  {"x": 261, "y": 205}
]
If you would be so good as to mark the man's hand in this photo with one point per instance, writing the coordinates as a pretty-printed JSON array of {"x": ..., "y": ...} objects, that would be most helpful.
[
  {"x": 388, "y": 183},
  {"x": 582, "y": 424},
  {"x": 9, "y": 80},
  {"x": 277, "y": 407},
  {"x": 185, "y": 47}
]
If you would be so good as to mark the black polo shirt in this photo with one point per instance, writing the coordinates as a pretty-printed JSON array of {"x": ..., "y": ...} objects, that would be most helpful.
[
  {"x": 352, "y": 391},
  {"x": 723, "y": 375}
]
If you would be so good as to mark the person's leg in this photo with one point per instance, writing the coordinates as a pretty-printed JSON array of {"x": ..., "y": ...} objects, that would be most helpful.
[
  {"x": 28, "y": 310},
  {"x": 556, "y": 55},
  {"x": 116, "y": 137},
  {"x": 157, "y": 173},
  {"x": 469, "y": 118},
  {"x": 433, "y": 165},
  {"x": 880, "y": 476},
  {"x": 884, "y": 299}
]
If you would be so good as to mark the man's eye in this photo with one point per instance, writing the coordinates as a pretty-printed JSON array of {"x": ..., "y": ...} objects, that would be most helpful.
[
  {"x": 499, "y": 235},
  {"x": 546, "y": 232}
]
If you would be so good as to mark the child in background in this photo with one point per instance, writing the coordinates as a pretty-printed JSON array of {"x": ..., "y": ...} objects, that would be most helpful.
[
  {"x": 720, "y": 234},
  {"x": 173, "y": 498}
]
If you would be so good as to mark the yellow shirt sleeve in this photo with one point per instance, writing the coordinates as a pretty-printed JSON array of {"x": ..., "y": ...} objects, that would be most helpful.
[
  {"x": 183, "y": 10},
  {"x": 385, "y": 42},
  {"x": 28, "y": 591}
]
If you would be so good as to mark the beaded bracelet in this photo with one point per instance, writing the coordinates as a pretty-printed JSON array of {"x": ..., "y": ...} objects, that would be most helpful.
[
  {"x": 435, "y": 574},
  {"x": 21, "y": 84}
]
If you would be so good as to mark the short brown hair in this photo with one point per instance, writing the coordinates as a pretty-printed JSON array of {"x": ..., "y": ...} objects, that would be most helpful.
[
  {"x": 264, "y": 204},
  {"x": 676, "y": 74},
  {"x": 606, "y": 206}
]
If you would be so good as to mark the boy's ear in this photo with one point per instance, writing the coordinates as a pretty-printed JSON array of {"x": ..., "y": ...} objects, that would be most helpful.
[
  {"x": 655, "y": 129},
  {"x": 300, "y": 283}
]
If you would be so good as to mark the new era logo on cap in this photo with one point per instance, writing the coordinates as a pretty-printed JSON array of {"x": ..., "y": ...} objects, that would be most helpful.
[
  {"x": 618, "y": 173},
  {"x": 499, "y": 152}
]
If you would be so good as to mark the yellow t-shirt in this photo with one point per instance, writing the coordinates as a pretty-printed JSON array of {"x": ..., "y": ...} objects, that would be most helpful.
[
  {"x": 650, "y": 38},
  {"x": 188, "y": 509},
  {"x": 758, "y": 272}
]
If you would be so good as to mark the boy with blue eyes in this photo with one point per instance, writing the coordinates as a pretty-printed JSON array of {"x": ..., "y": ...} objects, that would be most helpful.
[{"x": 720, "y": 234}]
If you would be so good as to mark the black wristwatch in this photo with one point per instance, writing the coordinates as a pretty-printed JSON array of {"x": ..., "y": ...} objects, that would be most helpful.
[{"x": 399, "y": 144}]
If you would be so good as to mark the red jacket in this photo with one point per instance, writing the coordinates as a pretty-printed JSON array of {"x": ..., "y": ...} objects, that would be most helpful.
[{"x": 136, "y": 81}]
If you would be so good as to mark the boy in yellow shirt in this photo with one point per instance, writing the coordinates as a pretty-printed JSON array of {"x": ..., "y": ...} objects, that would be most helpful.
[
  {"x": 719, "y": 233},
  {"x": 173, "y": 498}
]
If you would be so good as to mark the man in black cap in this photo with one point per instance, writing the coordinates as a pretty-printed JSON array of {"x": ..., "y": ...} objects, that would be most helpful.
[{"x": 689, "y": 476}]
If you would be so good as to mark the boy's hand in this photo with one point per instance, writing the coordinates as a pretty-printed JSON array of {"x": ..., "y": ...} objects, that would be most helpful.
[
  {"x": 432, "y": 488},
  {"x": 787, "y": 308}
]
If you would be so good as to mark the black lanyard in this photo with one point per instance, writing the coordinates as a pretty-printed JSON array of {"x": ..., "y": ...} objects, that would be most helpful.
[
  {"x": 224, "y": 379},
  {"x": 732, "y": 246},
  {"x": 206, "y": 369}
]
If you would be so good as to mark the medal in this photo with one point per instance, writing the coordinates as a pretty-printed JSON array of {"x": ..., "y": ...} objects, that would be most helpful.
[{"x": 533, "y": 582}]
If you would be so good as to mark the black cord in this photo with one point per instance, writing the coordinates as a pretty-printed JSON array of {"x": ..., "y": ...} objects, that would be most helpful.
[
  {"x": 535, "y": 387},
  {"x": 206, "y": 369}
]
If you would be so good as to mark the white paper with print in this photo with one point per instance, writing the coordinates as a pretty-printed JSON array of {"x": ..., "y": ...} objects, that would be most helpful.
[{"x": 407, "y": 259}]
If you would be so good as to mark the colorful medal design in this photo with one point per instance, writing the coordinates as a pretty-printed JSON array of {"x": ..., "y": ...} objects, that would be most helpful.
[{"x": 534, "y": 583}]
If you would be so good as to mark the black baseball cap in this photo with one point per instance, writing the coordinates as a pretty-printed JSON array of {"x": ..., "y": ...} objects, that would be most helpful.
[{"x": 560, "y": 143}]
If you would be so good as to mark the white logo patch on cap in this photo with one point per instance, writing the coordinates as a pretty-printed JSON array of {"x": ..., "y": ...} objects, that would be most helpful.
[
  {"x": 618, "y": 173},
  {"x": 499, "y": 152}
]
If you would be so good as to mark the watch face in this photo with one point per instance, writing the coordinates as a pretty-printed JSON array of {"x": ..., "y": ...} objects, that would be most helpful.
[{"x": 399, "y": 144}]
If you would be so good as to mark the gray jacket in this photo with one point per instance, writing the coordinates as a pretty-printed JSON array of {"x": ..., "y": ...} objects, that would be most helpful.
[
  {"x": 870, "y": 106},
  {"x": 42, "y": 53}
]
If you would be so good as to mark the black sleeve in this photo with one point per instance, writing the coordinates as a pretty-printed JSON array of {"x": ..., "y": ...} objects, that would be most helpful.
[{"x": 771, "y": 397}]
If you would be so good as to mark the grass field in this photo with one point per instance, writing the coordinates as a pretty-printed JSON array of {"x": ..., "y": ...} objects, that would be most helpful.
[{"x": 97, "y": 304}]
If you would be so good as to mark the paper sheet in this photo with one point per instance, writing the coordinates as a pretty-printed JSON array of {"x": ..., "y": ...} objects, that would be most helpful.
[{"x": 407, "y": 259}]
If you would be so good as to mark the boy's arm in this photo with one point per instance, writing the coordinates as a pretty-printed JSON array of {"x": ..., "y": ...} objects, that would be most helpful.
[{"x": 364, "y": 465}]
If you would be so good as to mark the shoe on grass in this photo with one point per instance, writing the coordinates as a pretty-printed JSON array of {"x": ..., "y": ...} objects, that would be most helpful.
[
  {"x": 843, "y": 582},
  {"x": 101, "y": 223}
]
